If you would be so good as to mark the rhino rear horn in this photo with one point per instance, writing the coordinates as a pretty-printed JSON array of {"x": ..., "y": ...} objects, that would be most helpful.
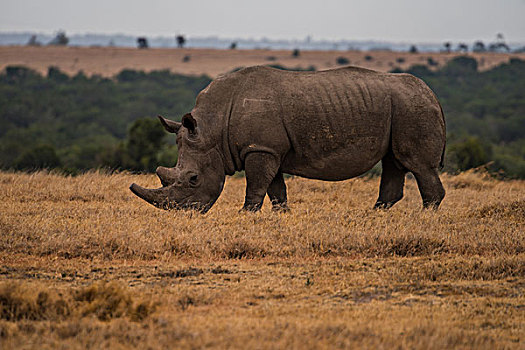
[{"x": 169, "y": 125}]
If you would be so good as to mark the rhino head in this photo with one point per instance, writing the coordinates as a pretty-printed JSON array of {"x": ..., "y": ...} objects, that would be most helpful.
[{"x": 197, "y": 179}]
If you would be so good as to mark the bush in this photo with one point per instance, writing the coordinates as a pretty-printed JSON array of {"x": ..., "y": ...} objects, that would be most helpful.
[
  {"x": 469, "y": 153},
  {"x": 461, "y": 65},
  {"x": 146, "y": 137},
  {"x": 432, "y": 62},
  {"x": 39, "y": 157},
  {"x": 342, "y": 60}
]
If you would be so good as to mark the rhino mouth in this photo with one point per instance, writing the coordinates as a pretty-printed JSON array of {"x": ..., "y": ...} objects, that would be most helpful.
[{"x": 159, "y": 198}]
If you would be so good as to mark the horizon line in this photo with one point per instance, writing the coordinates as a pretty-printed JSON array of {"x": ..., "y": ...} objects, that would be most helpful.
[{"x": 306, "y": 38}]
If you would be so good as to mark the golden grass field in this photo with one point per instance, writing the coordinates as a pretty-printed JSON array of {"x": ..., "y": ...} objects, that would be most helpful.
[
  {"x": 109, "y": 61},
  {"x": 86, "y": 264}
]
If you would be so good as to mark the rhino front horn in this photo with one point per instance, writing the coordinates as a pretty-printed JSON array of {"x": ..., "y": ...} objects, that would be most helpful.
[{"x": 157, "y": 197}]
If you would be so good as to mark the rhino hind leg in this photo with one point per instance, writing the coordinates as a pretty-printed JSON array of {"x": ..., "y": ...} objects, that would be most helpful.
[
  {"x": 392, "y": 182},
  {"x": 430, "y": 187},
  {"x": 277, "y": 193},
  {"x": 261, "y": 169}
]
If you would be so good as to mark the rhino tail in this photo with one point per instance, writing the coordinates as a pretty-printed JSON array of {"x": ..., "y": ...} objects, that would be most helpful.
[{"x": 442, "y": 161}]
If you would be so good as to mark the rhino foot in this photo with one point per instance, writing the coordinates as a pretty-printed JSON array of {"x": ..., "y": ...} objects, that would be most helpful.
[
  {"x": 383, "y": 205},
  {"x": 280, "y": 207},
  {"x": 251, "y": 207}
]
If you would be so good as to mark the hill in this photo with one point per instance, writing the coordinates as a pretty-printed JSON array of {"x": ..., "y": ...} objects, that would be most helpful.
[{"x": 109, "y": 61}]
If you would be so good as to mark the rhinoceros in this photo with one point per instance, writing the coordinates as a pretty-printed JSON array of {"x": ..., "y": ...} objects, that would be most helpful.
[{"x": 328, "y": 125}]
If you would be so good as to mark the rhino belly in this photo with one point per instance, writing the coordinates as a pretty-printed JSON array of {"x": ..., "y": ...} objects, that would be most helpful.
[{"x": 358, "y": 155}]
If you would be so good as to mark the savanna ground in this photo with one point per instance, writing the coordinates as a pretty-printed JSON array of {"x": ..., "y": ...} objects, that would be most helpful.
[
  {"x": 85, "y": 264},
  {"x": 109, "y": 61}
]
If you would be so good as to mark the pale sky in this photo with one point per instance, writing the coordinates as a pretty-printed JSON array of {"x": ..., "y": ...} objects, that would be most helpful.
[{"x": 385, "y": 20}]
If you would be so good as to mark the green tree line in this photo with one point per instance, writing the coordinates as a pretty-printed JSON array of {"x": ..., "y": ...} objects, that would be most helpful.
[{"x": 77, "y": 123}]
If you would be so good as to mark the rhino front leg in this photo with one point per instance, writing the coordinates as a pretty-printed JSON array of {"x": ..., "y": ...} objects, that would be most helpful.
[
  {"x": 260, "y": 169},
  {"x": 277, "y": 193}
]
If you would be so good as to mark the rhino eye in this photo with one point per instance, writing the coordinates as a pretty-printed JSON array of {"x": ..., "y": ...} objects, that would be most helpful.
[{"x": 194, "y": 180}]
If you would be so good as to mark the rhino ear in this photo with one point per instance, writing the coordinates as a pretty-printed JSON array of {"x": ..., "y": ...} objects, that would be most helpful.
[
  {"x": 189, "y": 123},
  {"x": 170, "y": 125}
]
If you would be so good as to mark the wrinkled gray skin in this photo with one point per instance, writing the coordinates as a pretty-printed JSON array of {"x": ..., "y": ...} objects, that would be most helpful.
[{"x": 330, "y": 125}]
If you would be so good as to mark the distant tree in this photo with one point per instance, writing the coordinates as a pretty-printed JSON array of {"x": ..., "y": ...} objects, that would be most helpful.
[
  {"x": 479, "y": 46},
  {"x": 462, "y": 47},
  {"x": 186, "y": 58},
  {"x": 432, "y": 62},
  {"x": 296, "y": 53},
  {"x": 39, "y": 157},
  {"x": 181, "y": 40},
  {"x": 420, "y": 70},
  {"x": 130, "y": 76},
  {"x": 400, "y": 60},
  {"x": 233, "y": 46},
  {"x": 60, "y": 39},
  {"x": 19, "y": 74},
  {"x": 461, "y": 66},
  {"x": 33, "y": 42},
  {"x": 469, "y": 154},
  {"x": 448, "y": 47},
  {"x": 342, "y": 60},
  {"x": 53, "y": 73},
  {"x": 145, "y": 138},
  {"x": 413, "y": 49},
  {"x": 142, "y": 43},
  {"x": 500, "y": 45},
  {"x": 368, "y": 58}
]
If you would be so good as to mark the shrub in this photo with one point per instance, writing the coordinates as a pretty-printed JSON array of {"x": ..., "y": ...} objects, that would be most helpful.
[
  {"x": 342, "y": 60},
  {"x": 39, "y": 157}
]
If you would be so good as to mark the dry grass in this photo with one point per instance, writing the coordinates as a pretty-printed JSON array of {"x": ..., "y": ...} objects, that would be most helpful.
[
  {"x": 85, "y": 264},
  {"x": 109, "y": 61}
]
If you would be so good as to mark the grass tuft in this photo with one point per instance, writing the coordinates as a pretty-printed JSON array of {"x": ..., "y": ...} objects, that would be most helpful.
[{"x": 18, "y": 302}]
